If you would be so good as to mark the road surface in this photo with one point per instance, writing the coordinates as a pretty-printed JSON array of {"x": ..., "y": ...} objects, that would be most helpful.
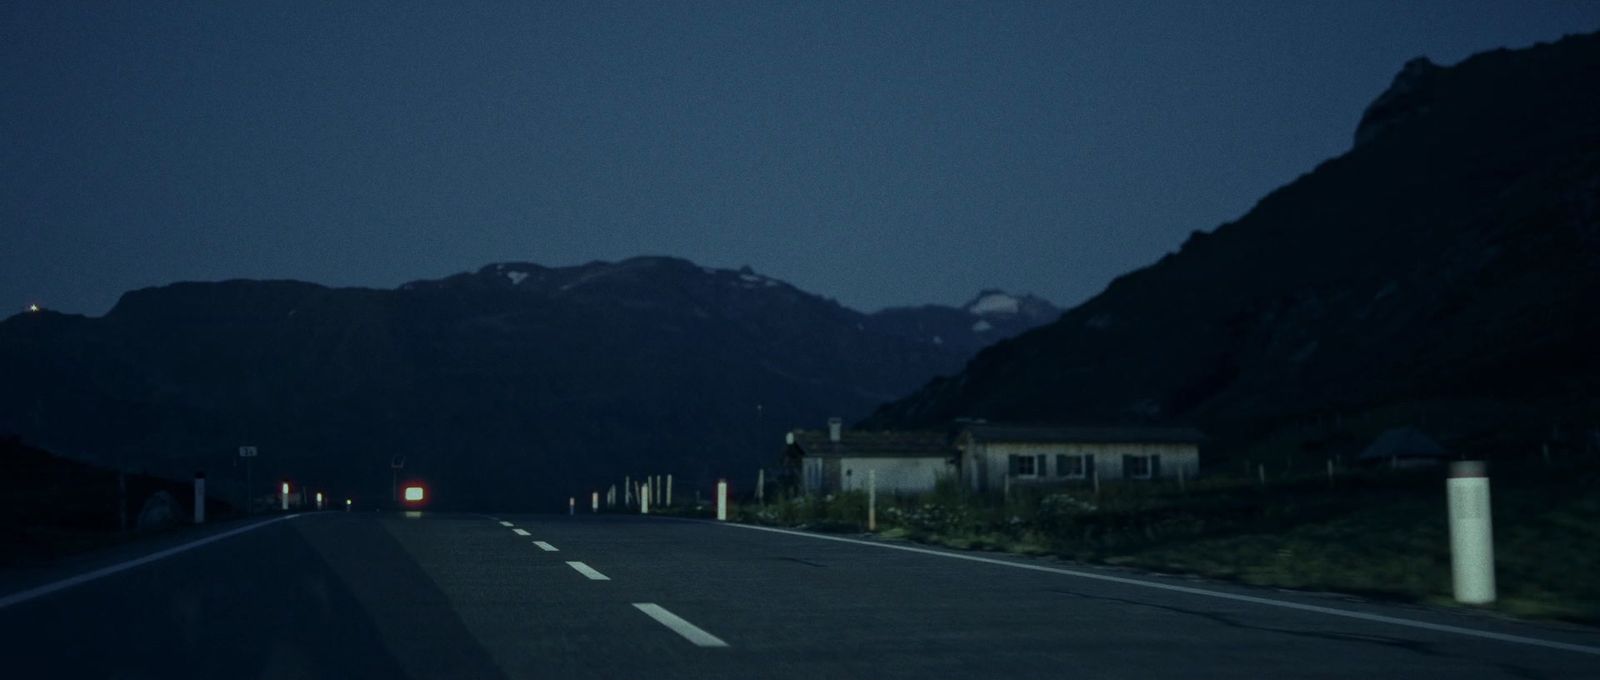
[{"x": 369, "y": 595}]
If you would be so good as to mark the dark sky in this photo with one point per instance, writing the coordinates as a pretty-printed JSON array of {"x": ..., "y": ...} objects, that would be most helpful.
[{"x": 878, "y": 153}]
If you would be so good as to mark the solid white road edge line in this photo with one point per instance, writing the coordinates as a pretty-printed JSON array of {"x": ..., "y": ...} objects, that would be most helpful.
[
  {"x": 588, "y": 571},
  {"x": 1380, "y": 618},
  {"x": 676, "y": 623},
  {"x": 80, "y": 579},
  {"x": 520, "y": 532},
  {"x": 545, "y": 546}
]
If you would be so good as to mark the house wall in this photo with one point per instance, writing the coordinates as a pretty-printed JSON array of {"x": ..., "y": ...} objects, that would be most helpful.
[
  {"x": 985, "y": 466},
  {"x": 905, "y": 475}
]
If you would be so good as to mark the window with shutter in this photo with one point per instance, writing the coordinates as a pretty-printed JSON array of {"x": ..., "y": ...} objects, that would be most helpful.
[
  {"x": 1136, "y": 467},
  {"x": 1070, "y": 466}
]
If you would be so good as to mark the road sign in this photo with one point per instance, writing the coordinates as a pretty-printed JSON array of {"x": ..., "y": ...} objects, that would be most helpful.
[
  {"x": 247, "y": 451},
  {"x": 397, "y": 462}
]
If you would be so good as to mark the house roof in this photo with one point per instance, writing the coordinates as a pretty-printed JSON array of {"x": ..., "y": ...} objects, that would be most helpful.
[
  {"x": 1403, "y": 442},
  {"x": 879, "y": 444},
  {"x": 1097, "y": 435}
]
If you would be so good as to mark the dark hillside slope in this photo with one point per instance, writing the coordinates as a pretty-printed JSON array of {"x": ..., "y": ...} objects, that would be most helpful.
[{"x": 1445, "y": 269}]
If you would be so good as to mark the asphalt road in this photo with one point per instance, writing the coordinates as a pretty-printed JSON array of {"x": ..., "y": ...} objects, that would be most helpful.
[{"x": 364, "y": 595}]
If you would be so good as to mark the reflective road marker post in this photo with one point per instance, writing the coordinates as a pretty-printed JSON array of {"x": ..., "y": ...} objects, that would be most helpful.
[
  {"x": 572, "y": 506},
  {"x": 872, "y": 499},
  {"x": 644, "y": 500},
  {"x": 1471, "y": 532},
  {"x": 199, "y": 498},
  {"x": 347, "y": 505},
  {"x": 284, "y": 503},
  {"x": 594, "y": 501},
  {"x": 669, "y": 489},
  {"x": 722, "y": 500}
]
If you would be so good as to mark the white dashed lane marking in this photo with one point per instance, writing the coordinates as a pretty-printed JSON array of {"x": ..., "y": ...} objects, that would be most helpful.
[
  {"x": 677, "y": 625},
  {"x": 588, "y": 571},
  {"x": 545, "y": 546}
]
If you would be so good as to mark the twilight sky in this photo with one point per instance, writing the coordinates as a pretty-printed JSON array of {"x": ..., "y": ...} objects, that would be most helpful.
[{"x": 878, "y": 153}]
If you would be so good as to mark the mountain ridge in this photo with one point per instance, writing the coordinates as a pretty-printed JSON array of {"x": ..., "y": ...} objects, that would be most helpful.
[
  {"x": 1444, "y": 259},
  {"x": 547, "y": 376}
]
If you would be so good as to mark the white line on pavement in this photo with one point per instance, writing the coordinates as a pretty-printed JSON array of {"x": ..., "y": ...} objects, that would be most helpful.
[
  {"x": 676, "y": 623},
  {"x": 588, "y": 571},
  {"x": 24, "y": 596},
  {"x": 545, "y": 546},
  {"x": 520, "y": 532},
  {"x": 1379, "y": 618},
  {"x": 505, "y": 523}
]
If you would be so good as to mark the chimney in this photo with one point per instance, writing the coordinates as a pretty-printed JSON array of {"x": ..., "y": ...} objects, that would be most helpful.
[{"x": 833, "y": 429}]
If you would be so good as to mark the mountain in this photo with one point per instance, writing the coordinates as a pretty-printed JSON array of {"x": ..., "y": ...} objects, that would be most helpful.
[
  {"x": 513, "y": 386},
  {"x": 991, "y": 316},
  {"x": 1444, "y": 271}
]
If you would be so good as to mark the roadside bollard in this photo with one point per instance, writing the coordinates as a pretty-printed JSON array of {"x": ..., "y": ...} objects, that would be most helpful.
[
  {"x": 1471, "y": 533},
  {"x": 644, "y": 500},
  {"x": 285, "y": 495},
  {"x": 199, "y": 498},
  {"x": 722, "y": 500},
  {"x": 319, "y": 500},
  {"x": 572, "y": 505},
  {"x": 594, "y": 501},
  {"x": 872, "y": 499}
]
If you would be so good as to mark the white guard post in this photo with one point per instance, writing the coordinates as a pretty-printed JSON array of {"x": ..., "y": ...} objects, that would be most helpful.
[
  {"x": 572, "y": 506},
  {"x": 872, "y": 499},
  {"x": 644, "y": 500},
  {"x": 1471, "y": 532},
  {"x": 594, "y": 501},
  {"x": 284, "y": 504},
  {"x": 722, "y": 500}
]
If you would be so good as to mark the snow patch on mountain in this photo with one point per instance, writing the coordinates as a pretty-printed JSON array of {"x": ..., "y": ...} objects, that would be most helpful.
[
  {"x": 995, "y": 303},
  {"x": 516, "y": 277},
  {"x": 981, "y": 326}
]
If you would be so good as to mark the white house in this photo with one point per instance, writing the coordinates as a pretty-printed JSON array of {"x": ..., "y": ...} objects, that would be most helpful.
[
  {"x": 840, "y": 460},
  {"x": 997, "y": 457}
]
